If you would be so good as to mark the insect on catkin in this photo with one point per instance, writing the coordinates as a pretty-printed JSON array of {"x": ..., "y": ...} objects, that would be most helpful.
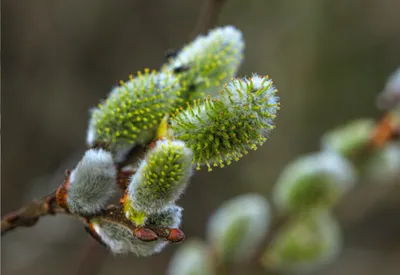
[{"x": 205, "y": 64}]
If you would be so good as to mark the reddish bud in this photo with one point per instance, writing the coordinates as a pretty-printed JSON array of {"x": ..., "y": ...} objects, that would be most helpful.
[
  {"x": 62, "y": 190},
  {"x": 145, "y": 234},
  {"x": 175, "y": 235}
]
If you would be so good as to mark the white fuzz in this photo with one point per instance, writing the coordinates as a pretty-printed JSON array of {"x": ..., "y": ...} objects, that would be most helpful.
[
  {"x": 92, "y": 182},
  {"x": 120, "y": 240},
  {"x": 169, "y": 217}
]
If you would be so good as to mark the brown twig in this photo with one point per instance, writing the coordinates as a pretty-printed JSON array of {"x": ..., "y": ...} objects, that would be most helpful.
[
  {"x": 386, "y": 130},
  {"x": 208, "y": 16},
  {"x": 29, "y": 215}
]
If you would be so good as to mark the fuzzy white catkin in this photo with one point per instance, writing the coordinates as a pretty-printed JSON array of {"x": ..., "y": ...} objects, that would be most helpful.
[
  {"x": 238, "y": 226},
  {"x": 92, "y": 182},
  {"x": 191, "y": 259}
]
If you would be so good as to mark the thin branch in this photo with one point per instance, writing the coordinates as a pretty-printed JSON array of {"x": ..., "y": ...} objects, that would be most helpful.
[
  {"x": 208, "y": 16},
  {"x": 386, "y": 130},
  {"x": 29, "y": 215}
]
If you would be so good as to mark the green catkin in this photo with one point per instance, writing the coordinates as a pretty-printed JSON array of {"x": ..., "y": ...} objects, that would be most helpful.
[
  {"x": 160, "y": 180},
  {"x": 133, "y": 110},
  {"x": 222, "y": 129},
  {"x": 210, "y": 61}
]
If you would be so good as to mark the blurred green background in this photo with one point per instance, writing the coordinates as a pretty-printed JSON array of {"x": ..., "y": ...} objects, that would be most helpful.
[{"x": 328, "y": 58}]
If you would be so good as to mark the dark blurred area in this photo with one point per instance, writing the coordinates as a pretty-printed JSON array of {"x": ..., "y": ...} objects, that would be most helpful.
[{"x": 328, "y": 58}]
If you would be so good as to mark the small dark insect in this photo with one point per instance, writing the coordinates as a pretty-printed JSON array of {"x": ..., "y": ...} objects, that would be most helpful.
[
  {"x": 191, "y": 87},
  {"x": 181, "y": 69},
  {"x": 172, "y": 53}
]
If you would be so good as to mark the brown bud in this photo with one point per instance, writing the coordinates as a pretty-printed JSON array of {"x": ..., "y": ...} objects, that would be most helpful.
[
  {"x": 175, "y": 235},
  {"x": 145, "y": 234}
]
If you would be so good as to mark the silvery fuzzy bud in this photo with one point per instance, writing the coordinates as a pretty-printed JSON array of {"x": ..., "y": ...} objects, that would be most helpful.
[
  {"x": 159, "y": 181},
  {"x": 131, "y": 113},
  {"x": 316, "y": 180},
  {"x": 237, "y": 228},
  {"x": 92, "y": 183},
  {"x": 169, "y": 217},
  {"x": 205, "y": 64},
  {"x": 304, "y": 244},
  {"x": 191, "y": 259},
  {"x": 223, "y": 129}
]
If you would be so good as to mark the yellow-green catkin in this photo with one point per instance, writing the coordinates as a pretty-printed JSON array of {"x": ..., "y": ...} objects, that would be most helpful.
[
  {"x": 209, "y": 61},
  {"x": 131, "y": 113},
  {"x": 159, "y": 181},
  {"x": 222, "y": 129}
]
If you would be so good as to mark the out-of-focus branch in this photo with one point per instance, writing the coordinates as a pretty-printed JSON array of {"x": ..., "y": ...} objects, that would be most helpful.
[
  {"x": 208, "y": 16},
  {"x": 386, "y": 130}
]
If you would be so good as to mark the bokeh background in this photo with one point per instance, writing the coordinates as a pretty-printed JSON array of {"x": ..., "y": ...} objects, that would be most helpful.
[{"x": 329, "y": 59}]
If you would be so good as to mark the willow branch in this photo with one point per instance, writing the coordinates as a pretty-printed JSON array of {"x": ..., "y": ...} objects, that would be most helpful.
[
  {"x": 29, "y": 215},
  {"x": 208, "y": 16}
]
